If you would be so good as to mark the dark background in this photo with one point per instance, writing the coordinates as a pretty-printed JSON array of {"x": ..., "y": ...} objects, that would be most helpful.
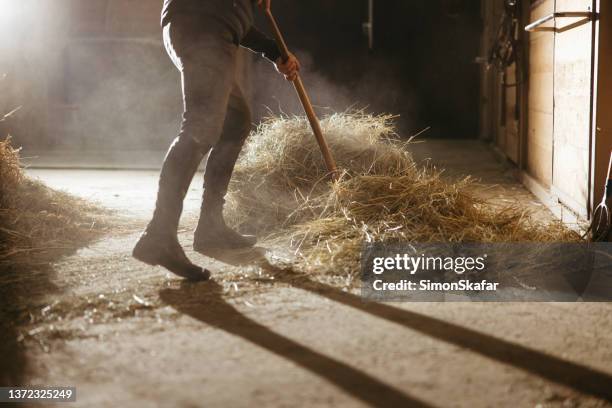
[
  {"x": 422, "y": 66},
  {"x": 91, "y": 77}
]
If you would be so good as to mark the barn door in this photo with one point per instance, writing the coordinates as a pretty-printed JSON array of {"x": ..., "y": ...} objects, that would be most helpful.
[{"x": 573, "y": 103}]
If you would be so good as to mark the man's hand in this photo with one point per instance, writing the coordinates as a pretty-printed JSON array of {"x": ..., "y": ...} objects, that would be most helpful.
[
  {"x": 289, "y": 68},
  {"x": 264, "y": 4}
]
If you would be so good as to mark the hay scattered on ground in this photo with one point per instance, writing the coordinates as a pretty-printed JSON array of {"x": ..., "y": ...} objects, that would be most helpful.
[
  {"x": 36, "y": 221},
  {"x": 280, "y": 188}
]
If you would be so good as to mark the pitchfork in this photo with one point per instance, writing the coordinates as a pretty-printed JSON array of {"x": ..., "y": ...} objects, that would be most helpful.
[
  {"x": 301, "y": 91},
  {"x": 602, "y": 218}
]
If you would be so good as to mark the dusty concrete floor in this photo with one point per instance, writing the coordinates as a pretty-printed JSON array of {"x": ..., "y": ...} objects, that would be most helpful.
[{"x": 129, "y": 335}]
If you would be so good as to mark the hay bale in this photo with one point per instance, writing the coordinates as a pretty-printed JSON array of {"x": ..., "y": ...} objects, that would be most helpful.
[
  {"x": 281, "y": 169},
  {"x": 280, "y": 188},
  {"x": 10, "y": 173},
  {"x": 36, "y": 221}
]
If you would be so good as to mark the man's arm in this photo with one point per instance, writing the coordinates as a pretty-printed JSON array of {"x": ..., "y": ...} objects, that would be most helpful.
[{"x": 258, "y": 42}]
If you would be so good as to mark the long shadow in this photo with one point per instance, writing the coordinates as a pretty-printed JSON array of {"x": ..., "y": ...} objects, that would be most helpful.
[
  {"x": 205, "y": 302},
  {"x": 579, "y": 377},
  {"x": 23, "y": 289},
  {"x": 19, "y": 289}
]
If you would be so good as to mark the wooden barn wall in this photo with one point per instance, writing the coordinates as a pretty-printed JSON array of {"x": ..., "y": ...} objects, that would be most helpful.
[
  {"x": 509, "y": 140},
  {"x": 490, "y": 85},
  {"x": 32, "y": 36},
  {"x": 572, "y": 96},
  {"x": 91, "y": 75},
  {"x": 539, "y": 143},
  {"x": 542, "y": 122},
  {"x": 502, "y": 102}
]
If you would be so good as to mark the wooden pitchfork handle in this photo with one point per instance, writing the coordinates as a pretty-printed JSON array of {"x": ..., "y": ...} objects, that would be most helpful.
[{"x": 301, "y": 91}]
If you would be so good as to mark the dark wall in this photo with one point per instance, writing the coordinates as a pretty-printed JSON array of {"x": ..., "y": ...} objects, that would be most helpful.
[
  {"x": 89, "y": 75},
  {"x": 422, "y": 66},
  {"x": 93, "y": 74}
]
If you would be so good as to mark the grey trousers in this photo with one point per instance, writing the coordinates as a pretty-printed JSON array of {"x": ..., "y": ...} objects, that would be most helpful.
[{"x": 216, "y": 116}]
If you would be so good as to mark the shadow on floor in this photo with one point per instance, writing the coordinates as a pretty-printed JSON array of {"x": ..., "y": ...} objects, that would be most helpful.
[
  {"x": 25, "y": 286},
  {"x": 205, "y": 302},
  {"x": 19, "y": 289},
  {"x": 579, "y": 377}
]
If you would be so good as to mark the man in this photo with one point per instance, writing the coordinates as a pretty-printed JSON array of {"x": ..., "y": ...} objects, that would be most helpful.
[{"x": 202, "y": 39}]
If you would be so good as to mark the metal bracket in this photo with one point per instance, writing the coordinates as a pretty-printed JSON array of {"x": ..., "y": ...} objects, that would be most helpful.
[{"x": 587, "y": 16}]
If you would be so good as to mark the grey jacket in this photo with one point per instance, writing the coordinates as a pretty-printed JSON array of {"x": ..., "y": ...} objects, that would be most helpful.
[{"x": 237, "y": 15}]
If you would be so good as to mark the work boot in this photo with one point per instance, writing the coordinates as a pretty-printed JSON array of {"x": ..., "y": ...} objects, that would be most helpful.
[
  {"x": 159, "y": 244},
  {"x": 212, "y": 232},
  {"x": 167, "y": 252}
]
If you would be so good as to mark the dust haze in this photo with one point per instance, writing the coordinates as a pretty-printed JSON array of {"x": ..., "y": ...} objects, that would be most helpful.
[
  {"x": 117, "y": 92},
  {"x": 376, "y": 91}
]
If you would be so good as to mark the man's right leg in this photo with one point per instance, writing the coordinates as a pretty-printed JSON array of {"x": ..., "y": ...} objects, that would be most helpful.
[
  {"x": 207, "y": 65},
  {"x": 212, "y": 232}
]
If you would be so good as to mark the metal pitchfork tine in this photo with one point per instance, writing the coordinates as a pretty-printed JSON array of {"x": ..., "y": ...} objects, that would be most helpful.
[
  {"x": 301, "y": 91},
  {"x": 599, "y": 230}
]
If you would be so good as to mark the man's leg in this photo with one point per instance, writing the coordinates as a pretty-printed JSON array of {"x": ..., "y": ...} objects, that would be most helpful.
[
  {"x": 212, "y": 232},
  {"x": 159, "y": 245},
  {"x": 207, "y": 64}
]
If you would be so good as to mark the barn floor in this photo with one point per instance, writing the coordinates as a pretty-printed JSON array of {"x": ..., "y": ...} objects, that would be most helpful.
[{"x": 129, "y": 335}]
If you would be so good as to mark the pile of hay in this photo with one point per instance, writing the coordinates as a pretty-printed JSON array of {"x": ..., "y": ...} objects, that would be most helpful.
[
  {"x": 36, "y": 221},
  {"x": 280, "y": 188}
]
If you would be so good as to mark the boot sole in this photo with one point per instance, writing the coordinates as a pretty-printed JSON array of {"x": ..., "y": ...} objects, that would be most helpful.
[{"x": 198, "y": 274}]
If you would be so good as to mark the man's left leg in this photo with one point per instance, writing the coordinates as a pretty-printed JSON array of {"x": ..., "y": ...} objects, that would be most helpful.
[{"x": 212, "y": 232}]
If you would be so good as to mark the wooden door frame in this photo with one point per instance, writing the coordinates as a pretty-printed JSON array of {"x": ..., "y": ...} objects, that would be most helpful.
[{"x": 602, "y": 102}]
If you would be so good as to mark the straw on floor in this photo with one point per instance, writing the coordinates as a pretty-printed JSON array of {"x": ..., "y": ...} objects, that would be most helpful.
[
  {"x": 36, "y": 221},
  {"x": 280, "y": 189}
]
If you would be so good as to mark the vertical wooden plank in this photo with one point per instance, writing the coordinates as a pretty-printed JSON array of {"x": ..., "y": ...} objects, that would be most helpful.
[
  {"x": 511, "y": 145},
  {"x": 484, "y": 132},
  {"x": 540, "y": 99},
  {"x": 490, "y": 112},
  {"x": 572, "y": 109}
]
